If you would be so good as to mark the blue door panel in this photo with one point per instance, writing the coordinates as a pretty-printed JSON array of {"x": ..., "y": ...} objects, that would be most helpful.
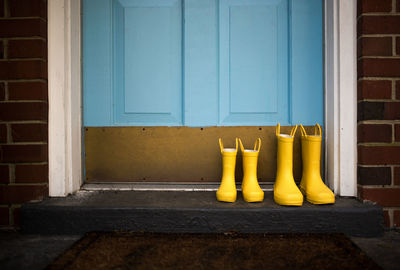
[
  {"x": 97, "y": 62},
  {"x": 307, "y": 62},
  {"x": 148, "y": 62},
  {"x": 202, "y": 62},
  {"x": 253, "y": 62}
]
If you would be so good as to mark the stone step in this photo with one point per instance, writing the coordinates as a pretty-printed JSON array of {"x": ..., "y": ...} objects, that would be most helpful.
[{"x": 194, "y": 212}]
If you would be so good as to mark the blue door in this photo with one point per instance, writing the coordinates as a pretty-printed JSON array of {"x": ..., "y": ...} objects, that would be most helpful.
[{"x": 202, "y": 62}]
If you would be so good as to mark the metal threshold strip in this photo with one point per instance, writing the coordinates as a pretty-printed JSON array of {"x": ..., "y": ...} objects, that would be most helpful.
[{"x": 162, "y": 186}]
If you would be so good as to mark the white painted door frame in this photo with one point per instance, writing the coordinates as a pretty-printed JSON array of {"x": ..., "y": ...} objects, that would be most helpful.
[{"x": 65, "y": 103}]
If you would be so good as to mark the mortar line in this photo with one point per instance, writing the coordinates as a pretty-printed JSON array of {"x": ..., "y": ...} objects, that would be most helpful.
[
  {"x": 23, "y": 59},
  {"x": 376, "y": 14},
  {"x": 24, "y": 101},
  {"x": 378, "y": 36},
  {"x": 6, "y": 10},
  {"x": 379, "y": 144},
  {"x": 378, "y": 57},
  {"x": 25, "y": 143}
]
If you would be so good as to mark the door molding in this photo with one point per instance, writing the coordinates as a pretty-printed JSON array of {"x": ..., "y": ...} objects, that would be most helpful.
[
  {"x": 341, "y": 95},
  {"x": 64, "y": 86},
  {"x": 65, "y": 110}
]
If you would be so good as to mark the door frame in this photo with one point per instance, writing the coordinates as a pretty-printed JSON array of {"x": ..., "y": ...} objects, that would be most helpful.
[{"x": 65, "y": 96}]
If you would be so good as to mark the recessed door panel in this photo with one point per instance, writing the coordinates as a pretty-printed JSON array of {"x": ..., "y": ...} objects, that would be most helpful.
[
  {"x": 253, "y": 62},
  {"x": 148, "y": 62}
]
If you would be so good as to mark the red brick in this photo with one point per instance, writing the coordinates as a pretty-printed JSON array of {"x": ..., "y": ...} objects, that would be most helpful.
[
  {"x": 386, "y": 197},
  {"x": 3, "y": 133},
  {"x": 4, "y": 216},
  {"x": 28, "y": 69},
  {"x": 391, "y": 111},
  {"x": 365, "y": 6},
  {"x": 374, "y": 133},
  {"x": 4, "y": 174},
  {"x": 396, "y": 218},
  {"x": 23, "y": 111},
  {"x": 386, "y": 218},
  {"x": 27, "y": 90},
  {"x": 24, "y": 153},
  {"x": 374, "y": 175},
  {"x": 23, "y": 28},
  {"x": 374, "y": 46},
  {"x": 381, "y": 89},
  {"x": 1, "y": 8},
  {"x": 2, "y": 91},
  {"x": 370, "y": 110},
  {"x": 35, "y": 48},
  {"x": 398, "y": 90},
  {"x": 28, "y": 8},
  {"x": 396, "y": 176},
  {"x": 379, "y": 67},
  {"x": 378, "y": 155},
  {"x": 31, "y": 173},
  {"x": 16, "y": 212},
  {"x": 379, "y": 25},
  {"x": 398, "y": 45},
  {"x": 397, "y": 133},
  {"x": 29, "y": 132},
  {"x": 1, "y": 49},
  {"x": 16, "y": 194}
]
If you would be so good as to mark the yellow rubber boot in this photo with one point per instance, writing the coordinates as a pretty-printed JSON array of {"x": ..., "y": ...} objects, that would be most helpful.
[
  {"x": 250, "y": 188},
  {"x": 227, "y": 190},
  {"x": 311, "y": 184},
  {"x": 286, "y": 191}
]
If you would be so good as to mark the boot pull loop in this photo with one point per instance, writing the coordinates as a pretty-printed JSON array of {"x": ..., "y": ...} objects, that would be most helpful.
[
  {"x": 293, "y": 132},
  {"x": 236, "y": 140},
  {"x": 241, "y": 145},
  {"x": 259, "y": 145},
  {"x": 317, "y": 128},
  {"x": 278, "y": 129},
  {"x": 221, "y": 145},
  {"x": 303, "y": 131}
]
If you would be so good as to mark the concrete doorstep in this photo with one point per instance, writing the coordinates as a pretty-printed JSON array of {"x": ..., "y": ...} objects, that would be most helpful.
[{"x": 194, "y": 212}]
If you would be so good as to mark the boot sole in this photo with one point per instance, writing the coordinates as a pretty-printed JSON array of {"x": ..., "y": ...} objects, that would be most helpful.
[
  {"x": 288, "y": 203},
  {"x": 316, "y": 202},
  {"x": 230, "y": 199},
  {"x": 320, "y": 202},
  {"x": 254, "y": 199}
]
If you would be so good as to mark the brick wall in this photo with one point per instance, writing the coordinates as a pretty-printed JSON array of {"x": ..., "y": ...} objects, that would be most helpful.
[
  {"x": 379, "y": 105},
  {"x": 23, "y": 105}
]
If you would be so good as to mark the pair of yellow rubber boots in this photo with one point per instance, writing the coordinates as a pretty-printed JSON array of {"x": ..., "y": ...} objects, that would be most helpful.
[
  {"x": 250, "y": 188},
  {"x": 312, "y": 187}
]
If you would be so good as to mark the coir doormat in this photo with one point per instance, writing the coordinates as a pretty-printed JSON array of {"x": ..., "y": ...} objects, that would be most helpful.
[{"x": 213, "y": 251}]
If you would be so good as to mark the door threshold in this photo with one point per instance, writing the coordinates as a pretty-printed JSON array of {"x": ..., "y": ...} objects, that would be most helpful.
[{"x": 162, "y": 186}]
